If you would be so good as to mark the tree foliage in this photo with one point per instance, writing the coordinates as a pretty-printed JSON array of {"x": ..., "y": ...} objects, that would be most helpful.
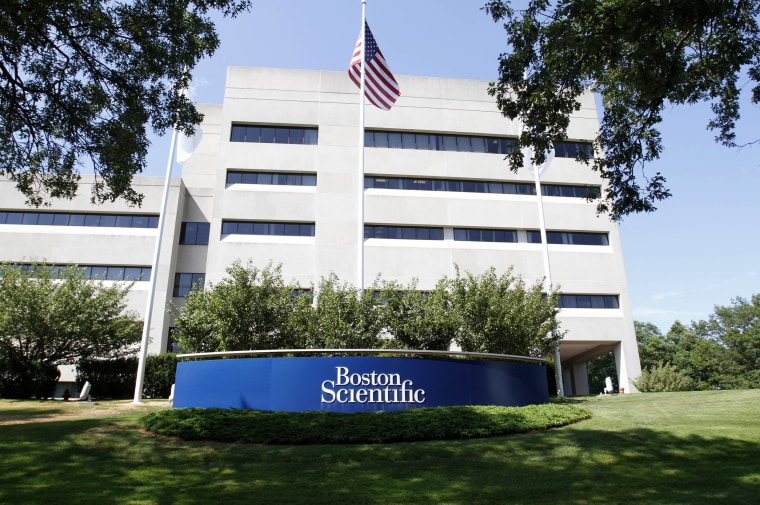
[
  {"x": 51, "y": 316},
  {"x": 255, "y": 309},
  {"x": 79, "y": 82},
  {"x": 722, "y": 352},
  {"x": 640, "y": 57}
]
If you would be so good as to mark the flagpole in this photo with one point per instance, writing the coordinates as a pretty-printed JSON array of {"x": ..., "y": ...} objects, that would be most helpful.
[
  {"x": 360, "y": 266},
  {"x": 154, "y": 274},
  {"x": 547, "y": 270}
]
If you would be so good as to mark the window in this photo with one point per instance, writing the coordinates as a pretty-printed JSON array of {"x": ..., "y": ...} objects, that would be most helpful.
[
  {"x": 184, "y": 283},
  {"x": 570, "y": 238},
  {"x": 78, "y": 219},
  {"x": 589, "y": 302},
  {"x": 273, "y": 178},
  {"x": 437, "y": 142},
  {"x": 472, "y": 186},
  {"x": 104, "y": 272},
  {"x": 191, "y": 233},
  {"x": 267, "y": 228},
  {"x": 484, "y": 235},
  {"x": 273, "y": 134},
  {"x": 573, "y": 149},
  {"x": 403, "y": 232}
]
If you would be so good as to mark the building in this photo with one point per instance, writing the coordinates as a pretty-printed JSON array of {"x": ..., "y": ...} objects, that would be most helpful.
[{"x": 274, "y": 177}]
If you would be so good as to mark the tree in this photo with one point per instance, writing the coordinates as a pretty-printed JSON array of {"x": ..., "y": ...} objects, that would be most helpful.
[
  {"x": 52, "y": 316},
  {"x": 248, "y": 309},
  {"x": 346, "y": 318},
  {"x": 499, "y": 314},
  {"x": 653, "y": 347},
  {"x": 737, "y": 327},
  {"x": 79, "y": 82},
  {"x": 416, "y": 319},
  {"x": 640, "y": 57}
]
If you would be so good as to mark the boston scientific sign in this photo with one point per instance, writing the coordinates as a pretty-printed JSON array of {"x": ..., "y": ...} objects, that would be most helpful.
[{"x": 357, "y": 384}]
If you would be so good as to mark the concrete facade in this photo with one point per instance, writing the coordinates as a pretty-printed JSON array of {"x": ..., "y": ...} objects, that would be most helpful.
[{"x": 328, "y": 102}]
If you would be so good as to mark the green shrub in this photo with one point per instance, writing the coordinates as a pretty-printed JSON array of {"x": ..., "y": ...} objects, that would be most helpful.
[
  {"x": 111, "y": 378},
  {"x": 159, "y": 375},
  {"x": 664, "y": 377},
  {"x": 25, "y": 379},
  {"x": 440, "y": 423}
]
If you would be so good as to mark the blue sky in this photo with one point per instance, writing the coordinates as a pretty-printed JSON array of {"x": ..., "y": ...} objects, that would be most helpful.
[{"x": 699, "y": 250}]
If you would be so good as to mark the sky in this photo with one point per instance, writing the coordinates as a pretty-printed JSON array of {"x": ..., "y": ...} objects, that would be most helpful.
[{"x": 699, "y": 250}]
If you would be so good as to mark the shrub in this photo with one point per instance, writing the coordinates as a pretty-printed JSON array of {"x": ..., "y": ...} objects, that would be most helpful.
[
  {"x": 664, "y": 377},
  {"x": 159, "y": 375},
  {"x": 112, "y": 378},
  {"x": 26, "y": 379}
]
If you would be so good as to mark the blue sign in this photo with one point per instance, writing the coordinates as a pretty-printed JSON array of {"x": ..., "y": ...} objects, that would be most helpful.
[{"x": 356, "y": 384}]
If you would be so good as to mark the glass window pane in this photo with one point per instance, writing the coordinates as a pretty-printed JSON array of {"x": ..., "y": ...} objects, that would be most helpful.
[
  {"x": 238, "y": 133},
  {"x": 245, "y": 228},
  {"x": 394, "y": 140},
  {"x": 436, "y": 234},
  {"x": 534, "y": 237},
  {"x": 277, "y": 229},
  {"x": 460, "y": 234},
  {"x": 92, "y": 220},
  {"x": 310, "y": 136},
  {"x": 408, "y": 141},
  {"x": 202, "y": 233},
  {"x": 249, "y": 178},
  {"x": 267, "y": 135},
  {"x": 108, "y": 220},
  {"x": 133, "y": 274},
  {"x": 611, "y": 302},
  {"x": 264, "y": 179},
  {"x": 229, "y": 228},
  {"x": 463, "y": 143},
  {"x": 492, "y": 145},
  {"x": 260, "y": 229},
  {"x": 291, "y": 229},
  {"x": 152, "y": 221},
  {"x": 123, "y": 221},
  {"x": 98, "y": 272},
  {"x": 381, "y": 139},
  {"x": 234, "y": 178},
  {"x": 29, "y": 218},
  {"x": 76, "y": 219},
  {"x": 309, "y": 180},
  {"x": 45, "y": 218},
  {"x": 423, "y": 141},
  {"x": 282, "y": 135},
  {"x": 449, "y": 143},
  {"x": 478, "y": 144},
  {"x": 139, "y": 221},
  {"x": 115, "y": 274}
]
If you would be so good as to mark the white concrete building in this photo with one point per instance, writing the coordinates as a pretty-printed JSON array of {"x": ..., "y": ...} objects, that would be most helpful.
[{"x": 275, "y": 177}]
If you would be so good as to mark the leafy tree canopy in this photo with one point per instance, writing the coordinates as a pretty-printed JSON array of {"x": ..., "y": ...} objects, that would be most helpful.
[
  {"x": 79, "y": 82},
  {"x": 59, "y": 316},
  {"x": 639, "y": 57}
]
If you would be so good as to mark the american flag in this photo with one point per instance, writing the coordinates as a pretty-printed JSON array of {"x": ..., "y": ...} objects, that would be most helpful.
[{"x": 380, "y": 87}]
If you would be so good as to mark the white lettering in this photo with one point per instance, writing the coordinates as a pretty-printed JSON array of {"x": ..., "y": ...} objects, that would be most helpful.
[{"x": 394, "y": 390}]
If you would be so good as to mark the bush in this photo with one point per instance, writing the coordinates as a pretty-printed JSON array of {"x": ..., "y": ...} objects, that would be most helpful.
[
  {"x": 159, "y": 375},
  {"x": 116, "y": 378},
  {"x": 664, "y": 377},
  {"x": 439, "y": 423},
  {"x": 25, "y": 379}
]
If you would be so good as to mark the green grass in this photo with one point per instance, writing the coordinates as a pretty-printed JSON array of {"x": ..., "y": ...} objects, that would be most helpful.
[{"x": 660, "y": 448}]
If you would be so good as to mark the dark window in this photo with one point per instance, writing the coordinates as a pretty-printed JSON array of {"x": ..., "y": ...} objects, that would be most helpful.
[
  {"x": 403, "y": 232},
  {"x": 472, "y": 186},
  {"x": 273, "y": 178},
  {"x": 589, "y": 302},
  {"x": 437, "y": 142},
  {"x": 573, "y": 149},
  {"x": 273, "y": 134},
  {"x": 184, "y": 283},
  {"x": 264, "y": 228},
  {"x": 484, "y": 235},
  {"x": 576, "y": 238},
  {"x": 194, "y": 233}
]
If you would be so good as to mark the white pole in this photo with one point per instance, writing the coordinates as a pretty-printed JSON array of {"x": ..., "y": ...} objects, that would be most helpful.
[
  {"x": 154, "y": 274},
  {"x": 548, "y": 272},
  {"x": 360, "y": 266}
]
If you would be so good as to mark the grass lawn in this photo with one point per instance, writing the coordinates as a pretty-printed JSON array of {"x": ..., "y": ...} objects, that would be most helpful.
[{"x": 698, "y": 447}]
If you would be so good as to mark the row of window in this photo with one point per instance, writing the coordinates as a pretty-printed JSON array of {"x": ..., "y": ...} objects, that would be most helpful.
[
  {"x": 467, "y": 186},
  {"x": 273, "y": 134},
  {"x": 78, "y": 219},
  {"x": 403, "y": 232},
  {"x": 437, "y": 142},
  {"x": 588, "y": 302},
  {"x": 102, "y": 272},
  {"x": 264, "y": 228},
  {"x": 400, "y": 140},
  {"x": 271, "y": 178}
]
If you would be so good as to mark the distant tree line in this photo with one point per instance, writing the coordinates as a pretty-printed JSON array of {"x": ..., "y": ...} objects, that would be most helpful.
[{"x": 720, "y": 353}]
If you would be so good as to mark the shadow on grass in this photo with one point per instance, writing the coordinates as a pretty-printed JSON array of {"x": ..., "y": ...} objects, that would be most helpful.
[{"x": 109, "y": 461}]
